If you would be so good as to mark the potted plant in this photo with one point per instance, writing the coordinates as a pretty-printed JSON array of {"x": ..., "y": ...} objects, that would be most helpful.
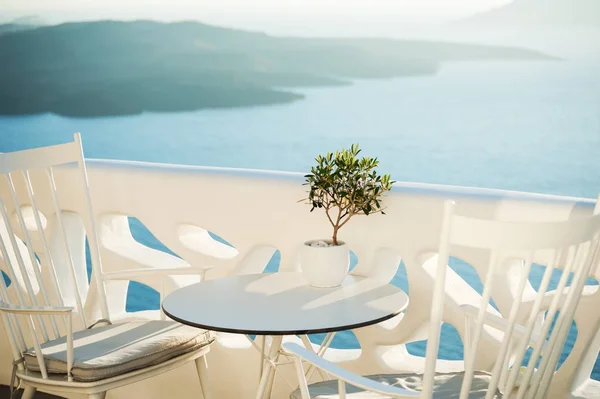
[{"x": 343, "y": 186}]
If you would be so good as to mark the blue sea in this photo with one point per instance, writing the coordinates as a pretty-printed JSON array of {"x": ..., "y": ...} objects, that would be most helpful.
[{"x": 528, "y": 126}]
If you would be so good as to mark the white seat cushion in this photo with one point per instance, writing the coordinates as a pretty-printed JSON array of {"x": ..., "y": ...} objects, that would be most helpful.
[
  {"x": 446, "y": 385},
  {"x": 105, "y": 352}
]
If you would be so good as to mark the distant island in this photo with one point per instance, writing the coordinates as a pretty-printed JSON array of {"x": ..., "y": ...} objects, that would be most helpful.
[{"x": 110, "y": 68}]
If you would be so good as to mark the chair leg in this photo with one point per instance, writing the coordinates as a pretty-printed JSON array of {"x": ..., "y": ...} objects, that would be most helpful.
[
  {"x": 202, "y": 368},
  {"x": 99, "y": 395},
  {"x": 28, "y": 392}
]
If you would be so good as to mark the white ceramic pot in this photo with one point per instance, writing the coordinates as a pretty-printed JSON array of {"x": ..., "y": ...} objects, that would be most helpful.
[{"x": 325, "y": 266}]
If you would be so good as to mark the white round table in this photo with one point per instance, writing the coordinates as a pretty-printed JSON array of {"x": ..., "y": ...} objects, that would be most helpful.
[
  {"x": 283, "y": 304},
  {"x": 278, "y": 304}
]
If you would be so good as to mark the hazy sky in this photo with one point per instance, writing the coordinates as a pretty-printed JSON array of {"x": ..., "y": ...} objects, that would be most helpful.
[
  {"x": 275, "y": 15},
  {"x": 168, "y": 9}
]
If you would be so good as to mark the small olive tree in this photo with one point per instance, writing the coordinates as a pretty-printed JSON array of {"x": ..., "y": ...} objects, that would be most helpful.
[{"x": 346, "y": 186}]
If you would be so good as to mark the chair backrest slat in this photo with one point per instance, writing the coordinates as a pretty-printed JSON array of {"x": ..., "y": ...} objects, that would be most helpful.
[
  {"x": 7, "y": 256},
  {"x": 93, "y": 241},
  {"x": 438, "y": 301},
  {"x": 15, "y": 335},
  {"x": 509, "y": 381},
  {"x": 21, "y": 344},
  {"x": 34, "y": 262},
  {"x": 499, "y": 373},
  {"x": 31, "y": 294},
  {"x": 14, "y": 344},
  {"x": 484, "y": 304},
  {"x": 536, "y": 322},
  {"x": 561, "y": 328},
  {"x": 40, "y": 227},
  {"x": 37, "y": 346},
  {"x": 65, "y": 242},
  {"x": 551, "y": 313}
]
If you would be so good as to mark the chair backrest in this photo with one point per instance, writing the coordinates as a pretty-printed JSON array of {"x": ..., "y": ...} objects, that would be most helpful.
[
  {"x": 35, "y": 241},
  {"x": 513, "y": 247}
]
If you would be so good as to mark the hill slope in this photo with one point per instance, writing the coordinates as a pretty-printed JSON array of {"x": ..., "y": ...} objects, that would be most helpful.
[{"x": 115, "y": 68}]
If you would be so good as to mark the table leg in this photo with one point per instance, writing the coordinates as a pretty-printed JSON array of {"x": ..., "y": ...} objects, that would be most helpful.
[
  {"x": 268, "y": 375},
  {"x": 263, "y": 343},
  {"x": 276, "y": 341}
]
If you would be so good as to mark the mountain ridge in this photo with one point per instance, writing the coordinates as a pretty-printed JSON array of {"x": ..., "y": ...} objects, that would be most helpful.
[{"x": 107, "y": 68}]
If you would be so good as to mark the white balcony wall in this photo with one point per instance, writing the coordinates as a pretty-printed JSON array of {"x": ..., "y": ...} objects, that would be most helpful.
[{"x": 259, "y": 212}]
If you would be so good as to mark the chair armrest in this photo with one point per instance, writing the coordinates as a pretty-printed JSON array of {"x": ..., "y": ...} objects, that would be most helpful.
[
  {"x": 45, "y": 311},
  {"x": 347, "y": 376},
  {"x": 153, "y": 271},
  {"x": 35, "y": 310}
]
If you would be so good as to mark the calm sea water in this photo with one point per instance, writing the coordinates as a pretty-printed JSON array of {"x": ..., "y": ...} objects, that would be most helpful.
[{"x": 530, "y": 126}]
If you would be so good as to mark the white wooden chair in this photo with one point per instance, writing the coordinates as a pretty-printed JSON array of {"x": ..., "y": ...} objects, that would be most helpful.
[
  {"x": 571, "y": 246},
  {"x": 51, "y": 325}
]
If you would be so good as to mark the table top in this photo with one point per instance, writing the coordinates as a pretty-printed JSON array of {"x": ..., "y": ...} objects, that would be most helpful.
[{"x": 283, "y": 304}]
